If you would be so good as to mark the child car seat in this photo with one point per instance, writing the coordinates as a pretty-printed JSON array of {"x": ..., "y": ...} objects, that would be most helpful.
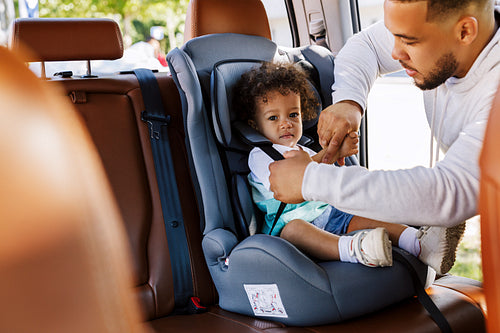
[{"x": 260, "y": 275}]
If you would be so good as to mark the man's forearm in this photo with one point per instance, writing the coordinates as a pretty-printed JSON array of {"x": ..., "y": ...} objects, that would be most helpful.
[{"x": 364, "y": 57}]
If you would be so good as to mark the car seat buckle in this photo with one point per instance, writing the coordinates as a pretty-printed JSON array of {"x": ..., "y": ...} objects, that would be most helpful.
[
  {"x": 195, "y": 305},
  {"x": 155, "y": 122}
]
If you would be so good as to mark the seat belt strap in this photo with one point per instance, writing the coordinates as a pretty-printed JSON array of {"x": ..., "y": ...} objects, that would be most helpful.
[
  {"x": 281, "y": 208},
  {"x": 154, "y": 116},
  {"x": 422, "y": 295},
  {"x": 271, "y": 152},
  {"x": 275, "y": 155}
]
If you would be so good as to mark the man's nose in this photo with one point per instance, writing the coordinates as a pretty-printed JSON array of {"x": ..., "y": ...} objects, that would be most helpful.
[{"x": 398, "y": 51}]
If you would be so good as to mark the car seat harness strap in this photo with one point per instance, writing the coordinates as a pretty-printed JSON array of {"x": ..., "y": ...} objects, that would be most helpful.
[
  {"x": 154, "y": 116},
  {"x": 275, "y": 155},
  {"x": 422, "y": 295}
]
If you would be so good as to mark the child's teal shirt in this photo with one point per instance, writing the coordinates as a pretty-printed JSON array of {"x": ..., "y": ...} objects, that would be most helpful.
[
  {"x": 258, "y": 161},
  {"x": 308, "y": 210}
]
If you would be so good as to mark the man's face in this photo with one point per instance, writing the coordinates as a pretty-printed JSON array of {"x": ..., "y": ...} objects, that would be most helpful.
[{"x": 425, "y": 49}]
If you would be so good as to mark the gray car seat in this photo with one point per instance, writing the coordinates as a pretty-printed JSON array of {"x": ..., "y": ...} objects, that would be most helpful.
[{"x": 256, "y": 274}]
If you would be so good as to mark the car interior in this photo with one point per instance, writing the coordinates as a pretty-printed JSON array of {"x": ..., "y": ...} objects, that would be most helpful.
[{"x": 89, "y": 241}]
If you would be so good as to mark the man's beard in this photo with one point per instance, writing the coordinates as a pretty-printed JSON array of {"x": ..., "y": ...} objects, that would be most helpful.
[{"x": 445, "y": 67}]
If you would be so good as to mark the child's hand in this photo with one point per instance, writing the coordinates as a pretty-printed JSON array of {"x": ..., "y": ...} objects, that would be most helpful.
[
  {"x": 319, "y": 156},
  {"x": 349, "y": 147}
]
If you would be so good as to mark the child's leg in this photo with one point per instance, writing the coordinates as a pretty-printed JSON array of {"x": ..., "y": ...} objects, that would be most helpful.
[
  {"x": 394, "y": 230},
  {"x": 371, "y": 248},
  {"x": 312, "y": 240},
  {"x": 400, "y": 235},
  {"x": 435, "y": 246}
]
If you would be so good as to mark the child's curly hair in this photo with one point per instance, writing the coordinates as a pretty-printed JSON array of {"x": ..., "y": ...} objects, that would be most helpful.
[{"x": 282, "y": 77}]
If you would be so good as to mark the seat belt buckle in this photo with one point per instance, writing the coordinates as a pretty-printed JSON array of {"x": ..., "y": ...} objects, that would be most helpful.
[
  {"x": 195, "y": 306},
  {"x": 155, "y": 123}
]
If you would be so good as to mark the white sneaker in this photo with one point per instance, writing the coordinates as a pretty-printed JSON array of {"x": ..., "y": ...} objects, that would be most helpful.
[
  {"x": 372, "y": 247},
  {"x": 438, "y": 246}
]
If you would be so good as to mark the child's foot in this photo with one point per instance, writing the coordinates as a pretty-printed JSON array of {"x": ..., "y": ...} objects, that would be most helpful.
[
  {"x": 372, "y": 247},
  {"x": 439, "y": 246}
]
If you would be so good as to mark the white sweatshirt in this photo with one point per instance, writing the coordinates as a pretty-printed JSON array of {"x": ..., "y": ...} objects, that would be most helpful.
[{"x": 445, "y": 194}]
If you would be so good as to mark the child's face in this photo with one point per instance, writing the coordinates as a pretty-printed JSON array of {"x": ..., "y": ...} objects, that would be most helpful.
[{"x": 280, "y": 119}]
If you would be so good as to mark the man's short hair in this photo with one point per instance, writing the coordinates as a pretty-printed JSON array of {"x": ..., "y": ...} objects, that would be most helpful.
[{"x": 437, "y": 9}]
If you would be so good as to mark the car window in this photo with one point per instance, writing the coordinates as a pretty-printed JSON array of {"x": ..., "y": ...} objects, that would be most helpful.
[
  {"x": 149, "y": 28},
  {"x": 149, "y": 31},
  {"x": 7, "y": 14},
  {"x": 278, "y": 21},
  {"x": 393, "y": 126}
]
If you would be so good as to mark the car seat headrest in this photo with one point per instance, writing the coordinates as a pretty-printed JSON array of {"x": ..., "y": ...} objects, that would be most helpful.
[
  {"x": 224, "y": 76},
  {"x": 67, "y": 39},
  {"x": 247, "y": 17}
]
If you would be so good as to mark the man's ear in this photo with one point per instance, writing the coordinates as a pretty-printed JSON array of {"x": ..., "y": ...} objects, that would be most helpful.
[
  {"x": 252, "y": 124},
  {"x": 467, "y": 29}
]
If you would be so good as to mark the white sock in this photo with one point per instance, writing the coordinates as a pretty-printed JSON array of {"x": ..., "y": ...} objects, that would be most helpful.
[
  {"x": 408, "y": 241},
  {"x": 344, "y": 245}
]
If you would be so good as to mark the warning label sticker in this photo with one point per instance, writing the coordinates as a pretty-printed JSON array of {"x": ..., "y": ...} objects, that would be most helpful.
[{"x": 265, "y": 300}]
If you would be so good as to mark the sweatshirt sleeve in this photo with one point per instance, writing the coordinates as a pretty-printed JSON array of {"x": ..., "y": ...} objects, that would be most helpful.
[
  {"x": 444, "y": 195},
  {"x": 365, "y": 56}
]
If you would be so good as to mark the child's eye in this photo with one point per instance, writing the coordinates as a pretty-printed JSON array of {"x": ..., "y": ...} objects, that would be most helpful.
[
  {"x": 272, "y": 118},
  {"x": 294, "y": 115}
]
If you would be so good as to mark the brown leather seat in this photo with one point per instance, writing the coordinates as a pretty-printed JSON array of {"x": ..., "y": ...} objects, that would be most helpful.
[
  {"x": 489, "y": 208},
  {"x": 63, "y": 39},
  {"x": 54, "y": 39},
  {"x": 64, "y": 263},
  {"x": 111, "y": 108}
]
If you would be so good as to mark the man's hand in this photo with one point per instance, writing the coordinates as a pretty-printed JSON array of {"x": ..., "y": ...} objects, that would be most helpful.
[
  {"x": 335, "y": 123},
  {"x": 287, "y": 175}
]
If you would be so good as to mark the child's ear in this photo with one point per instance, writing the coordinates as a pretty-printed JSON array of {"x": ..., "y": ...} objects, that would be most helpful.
[{"x": 252, "y": 124}]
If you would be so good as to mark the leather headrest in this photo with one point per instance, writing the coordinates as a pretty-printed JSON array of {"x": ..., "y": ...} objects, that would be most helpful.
[
  {"x": 224, "y": 77},
  {"x": 247, "y": 17},
  {"x": 66, "y": 39}
]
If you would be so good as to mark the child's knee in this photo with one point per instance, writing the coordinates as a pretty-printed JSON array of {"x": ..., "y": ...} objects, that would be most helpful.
[{"x": 292, "y": 229}]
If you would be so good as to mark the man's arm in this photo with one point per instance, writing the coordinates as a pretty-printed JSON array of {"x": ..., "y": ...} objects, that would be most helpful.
[
  {"x": 335, "y": 123},
  {"x": 364, "y": 57},
  {"x": 443, "y": 195}
]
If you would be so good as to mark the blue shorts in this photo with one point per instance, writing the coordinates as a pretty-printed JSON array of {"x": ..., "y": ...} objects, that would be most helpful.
[{"x": 333, "y": 221}]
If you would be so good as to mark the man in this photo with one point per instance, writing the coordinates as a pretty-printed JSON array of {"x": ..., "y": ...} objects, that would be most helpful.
[{"x": 451, "y": 48}]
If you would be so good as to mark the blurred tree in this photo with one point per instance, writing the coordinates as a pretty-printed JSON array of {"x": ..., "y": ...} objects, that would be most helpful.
[{"x": 135, "y": 17}]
